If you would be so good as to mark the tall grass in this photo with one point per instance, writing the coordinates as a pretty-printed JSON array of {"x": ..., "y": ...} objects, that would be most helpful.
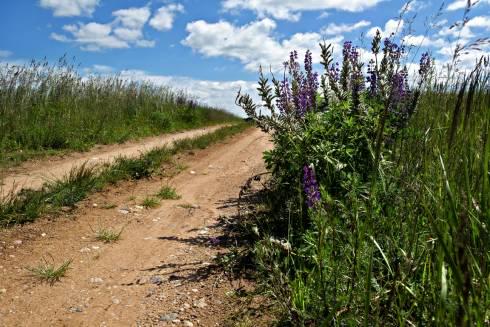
[{"x": 53, "y": 107}]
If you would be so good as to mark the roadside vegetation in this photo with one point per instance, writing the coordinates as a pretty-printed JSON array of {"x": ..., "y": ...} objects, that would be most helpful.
[
  {"x": 47, "y": 109},
  {"x": 378, "y": 203},
  {"x": 28, "y": 205}
]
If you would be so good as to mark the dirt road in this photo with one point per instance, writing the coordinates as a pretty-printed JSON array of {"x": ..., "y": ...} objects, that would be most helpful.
[
  {"x": 158, "y": 274},
  {"x": 34, "y": 174}
]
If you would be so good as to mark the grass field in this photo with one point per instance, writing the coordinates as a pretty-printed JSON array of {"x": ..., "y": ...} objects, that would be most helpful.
[{"x": 47, "y": 109}]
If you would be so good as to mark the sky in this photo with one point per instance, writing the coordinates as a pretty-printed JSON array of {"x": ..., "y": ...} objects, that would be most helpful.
[{"x": 212, "y": 48}]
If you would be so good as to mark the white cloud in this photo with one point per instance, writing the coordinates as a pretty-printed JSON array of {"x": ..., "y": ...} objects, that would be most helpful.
[
  {"x": 412, "y": 6},
  {"x": 465, "y": 32},
  {"x": 163, "y": 20},
  {"x": 5, "y": 53},
  {"x": 392, "y": 26},
  {"x": 70, "y": 7},
  {"x": 334, "y": 29},
  {"x": 423, "y": 41},
  {"x": 251, "y": 44},
  {"x": 132, "y": 18},
  {"x": 291, "y": 9},
  {"x": 124, "y": 31},
  {"x": 219, "y": 94},
  {"x": 461, "y": 4},
  {"x": 98, "y": 69}
]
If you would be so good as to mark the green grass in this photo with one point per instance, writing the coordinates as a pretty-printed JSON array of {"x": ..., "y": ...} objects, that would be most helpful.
[
  {"x": 54, "y": 109},
  {"x": 150, "y": 202},
  {"x": 28, "y": 205},
  {"x": 108, "y": 235},
  {"x": 47, "y": 272},
  {"x": 168, "y": 193}
]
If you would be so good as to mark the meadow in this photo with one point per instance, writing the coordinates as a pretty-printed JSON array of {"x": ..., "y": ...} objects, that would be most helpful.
[
  {"x": 378, "y": 203},
  {"x": 51, "y": 108}
]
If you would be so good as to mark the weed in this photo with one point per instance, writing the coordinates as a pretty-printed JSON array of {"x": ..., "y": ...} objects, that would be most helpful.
[
  {"x": 150, "y": 202},
  {"x": 168, "y": 193},
  {"x": 108, "y": 235},
  {"x": 48, "y": 272}
]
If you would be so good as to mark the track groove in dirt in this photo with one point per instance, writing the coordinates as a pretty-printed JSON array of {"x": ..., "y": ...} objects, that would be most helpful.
[
  {"x": 158, "y": 274},
  {"x": 33, "y": 174}
]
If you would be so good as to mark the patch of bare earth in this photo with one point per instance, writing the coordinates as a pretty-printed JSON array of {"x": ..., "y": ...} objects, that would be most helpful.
[{"x": 161, "y": 272}]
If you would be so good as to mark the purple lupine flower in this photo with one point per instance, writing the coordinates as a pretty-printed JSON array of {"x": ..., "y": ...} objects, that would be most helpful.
[
  {"x": 425, "y": 66},
  {"x": 400, "y": 86},
  {"x": 335, "y": 72},
  {"x": 283, "y": 102},
  {"x": 310, "y": 186},
  {"x": 372, "y": 78}
]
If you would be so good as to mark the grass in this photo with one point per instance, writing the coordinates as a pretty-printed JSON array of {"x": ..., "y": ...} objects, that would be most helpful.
[
  {"x": 108, "y": 235},
  {"x": 168, "y": 193},
  {"x": 47, "y": 272},
  {"x": 54, "y": 109},
  {"x": 150, "y": 202},
  {"x": 28, "y": 205}
]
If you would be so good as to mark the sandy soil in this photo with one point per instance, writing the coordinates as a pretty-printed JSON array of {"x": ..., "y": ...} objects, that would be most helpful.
[
  {"x": 160, "y": 273},
  {"x": 33, "y": 174}
]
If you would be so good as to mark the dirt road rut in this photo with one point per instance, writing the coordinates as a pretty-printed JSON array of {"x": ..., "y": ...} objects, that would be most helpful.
[{"x": 158, "y": 273}]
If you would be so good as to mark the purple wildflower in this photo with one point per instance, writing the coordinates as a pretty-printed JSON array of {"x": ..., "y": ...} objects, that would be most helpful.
[
  {"x": 283, "y": 101},
  {"x": 425, "y": 66},
  {"x": 372, "y": 78},
  {"x": 310, "y": 186}
]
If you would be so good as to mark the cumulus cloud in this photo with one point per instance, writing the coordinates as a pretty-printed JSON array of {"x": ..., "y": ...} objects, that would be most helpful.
[
  {"x": 461, "y": 4},
  {"x": 5, "y": 53},
  {"x": 291, "y": 9},
  {"x": 163, "y": 20},
  {"x": 335, "y": 29},
  {"x": 392, "y": 26},
  {"x": 252, "y": 44},
  {"x": 124, "y": 31},
  {"x": 70, "y": 7},
  {"x": 219, "y": 94}
]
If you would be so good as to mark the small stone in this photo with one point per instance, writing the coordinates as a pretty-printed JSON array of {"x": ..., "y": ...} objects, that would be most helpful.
[
  {"x": 201, "y": 303},
  {"x": 66, "y": 209},
  {"x": 95, "y": 205},
  {"x": 169, "y": 317},
  {"x": 96, "y": 280},
  {"x": 142, "y": 280},
  {"x": 95, "y": 247},
  {"x": 116, "y": 301},
  {"x": 187, "y": 306},
  {"x": 138, "y": 207},
  {"x": 75, "y": 309},
  {"x": 192, "y": 172},
  {"x": 43, "y": 234},
  {"x": 85, "y": 250},
  {"x": 157, "y": 280},
  {"x": 195, "y": 290},
  {"x": 18, "y": 242},
  {"x": 187, "y": 323},
  {"x": 124, "y": 211},
  {"x": 3, "y": 291}
]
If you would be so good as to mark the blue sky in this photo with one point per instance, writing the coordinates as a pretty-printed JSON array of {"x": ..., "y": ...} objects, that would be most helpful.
[{"x": 211, "y": 48}]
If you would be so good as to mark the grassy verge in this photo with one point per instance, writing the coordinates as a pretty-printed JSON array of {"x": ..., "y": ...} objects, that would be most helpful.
[
  {"x": 28, "y": 205},
  {"x": 54, "y": 109}
]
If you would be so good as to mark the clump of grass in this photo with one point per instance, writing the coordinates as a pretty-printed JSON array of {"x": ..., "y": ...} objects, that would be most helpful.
[
  {"x": 150, "y": 202},
  {"x": 168, "y": 193},
  {"x": 48, "y": 272},
  {"x": 108, "y": 235}
]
